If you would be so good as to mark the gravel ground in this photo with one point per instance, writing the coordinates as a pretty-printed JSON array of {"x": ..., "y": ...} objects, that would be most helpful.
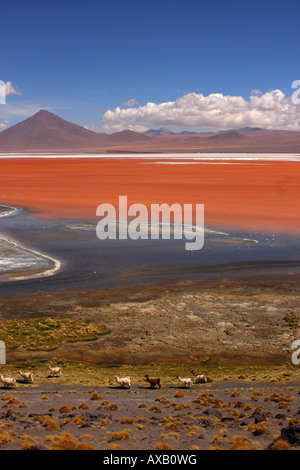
[{"x": 207, "y": 416}]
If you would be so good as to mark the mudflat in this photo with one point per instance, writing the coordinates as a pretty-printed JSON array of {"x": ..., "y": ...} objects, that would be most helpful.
[{"x": 226, "y": 322}]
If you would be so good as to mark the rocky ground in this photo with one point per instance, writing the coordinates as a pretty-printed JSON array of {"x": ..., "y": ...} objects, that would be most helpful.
[{"x": 236, "y": 415}]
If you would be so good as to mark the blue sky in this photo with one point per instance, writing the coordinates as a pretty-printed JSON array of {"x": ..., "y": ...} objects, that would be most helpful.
[{"x": 80, "y": 59}]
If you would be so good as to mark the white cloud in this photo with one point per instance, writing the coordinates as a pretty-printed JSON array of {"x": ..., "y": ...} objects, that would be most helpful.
[
  {"x": 11, "y": 89},
  {"x": 3, "y": 124},
  {"x": 271, "y": 110},
  {"x": 256, "y": 92},
  {"x": 130, "y": 103},
  {"x": 8, "y": 89}
]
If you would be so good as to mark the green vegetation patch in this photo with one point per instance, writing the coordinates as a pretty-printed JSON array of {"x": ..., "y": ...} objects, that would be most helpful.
[{"x": 47, "y": 333}]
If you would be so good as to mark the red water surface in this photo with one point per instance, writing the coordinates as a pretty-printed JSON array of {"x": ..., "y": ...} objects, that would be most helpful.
[{"x": 253, "y": 197}]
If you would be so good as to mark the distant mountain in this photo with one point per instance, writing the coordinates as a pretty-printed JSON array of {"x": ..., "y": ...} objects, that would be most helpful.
[
  {"x": 161, "y": 131},
  {"x": 128, "y": 136},
  {"x": 46, "y": 132},
  {"x": 227, "y": 135},
  {"x": 187, "y": 133}
]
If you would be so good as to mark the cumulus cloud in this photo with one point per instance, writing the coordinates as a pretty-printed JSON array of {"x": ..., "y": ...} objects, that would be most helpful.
[
  {"x": 11, "y": 89},
  {"x": 256, "y": 92},
  {"x": 8, "y": 89},
  {"x": 271, "y": 110}
]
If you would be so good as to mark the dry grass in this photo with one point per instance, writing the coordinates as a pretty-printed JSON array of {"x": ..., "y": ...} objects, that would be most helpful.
[
  {"x": 13, "y": 401},
  {"x": 259, "y": 428},
  {"x": 5, "y": 437},
  {"x": 6, "y": 396},
  {"x": 96, "y": 396},
  {"x": 126, "y": 420},
  {"x": 120, "y": 436},
  {"x": 87, "y": 436},
  {"x": 50, "y": 424},
  {"x": 100, "y": 375},
  {"x": 78, "y": 421},
  {"x": 242, "y": 443},
  {"x": 163, "y": 400},
  {"x": 155, "y": 409},
  {"x": 179, "y": 394},
  {"x": 65, "y": 409},
  {"x": 46, "y": 334},
  {"x": 66, "y": 441},
  {"x": 84, "y": 406},
  {"x": 172, "y": 426},
  {"x": 28, "y": 442},
  {"x": 280, "y": 444},
  {"x": 23, "y": 405},
  {"x": 115, "y": 446},
  {"x": 163, "y": 446}
]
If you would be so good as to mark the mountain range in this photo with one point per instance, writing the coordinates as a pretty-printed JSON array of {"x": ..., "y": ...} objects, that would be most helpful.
[{"x": 47, "y": 132}]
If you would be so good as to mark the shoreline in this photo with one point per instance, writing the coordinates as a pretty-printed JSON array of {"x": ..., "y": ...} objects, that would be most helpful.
[
  {"x": 18, "y": 246},
  {"x": 188, "y": 154},
  {"x": 10, "y": 212}
]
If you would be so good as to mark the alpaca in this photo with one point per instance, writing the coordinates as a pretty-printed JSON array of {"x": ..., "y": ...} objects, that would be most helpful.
[
  {"x": 8, "y": 382},
  {"x": 186, "y": 383},
  {"x": 26, "y": 376},
  {"x": 55, "y": 371},
  {"x": 200, "y": 378},
  {"x": 124, "y": 382},
  {"x": 153, "y": 382}
]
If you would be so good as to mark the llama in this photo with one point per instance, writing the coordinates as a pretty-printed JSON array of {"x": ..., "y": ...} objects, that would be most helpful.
[
  {"x": 55, "y": 371},
  {"x": 200, "y": 378},
  {"x": 8, "y": 382},
  {"x": 124, "y": 382},
  {"x": 153, "y": 382},
  {"x": 26, "y": 376},
  {"x": 186, "y": 383}
]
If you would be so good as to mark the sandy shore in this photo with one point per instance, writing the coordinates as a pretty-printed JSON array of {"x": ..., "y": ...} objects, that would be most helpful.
[{"x": 241, "y": 196}]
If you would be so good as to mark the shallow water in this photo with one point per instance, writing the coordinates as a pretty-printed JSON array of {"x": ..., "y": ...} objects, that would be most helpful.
[{"x": 88, "y": 263}]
